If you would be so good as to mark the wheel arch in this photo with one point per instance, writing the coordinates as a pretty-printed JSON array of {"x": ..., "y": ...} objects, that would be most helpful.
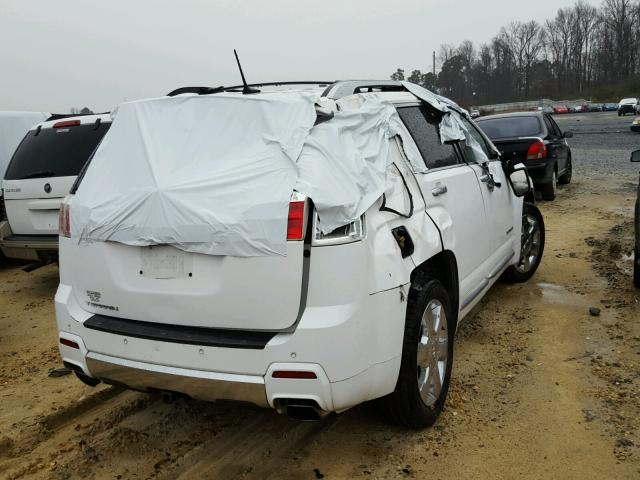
[{"x": 443, "y": 267}]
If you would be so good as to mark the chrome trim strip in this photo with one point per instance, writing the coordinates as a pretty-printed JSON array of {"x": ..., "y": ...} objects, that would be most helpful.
[
  {"x": 502, "y": 265},
  {"x": 478, "y": 290},
  {"x": 198, "y": 384},
  {"x": 474, "y": 293}
]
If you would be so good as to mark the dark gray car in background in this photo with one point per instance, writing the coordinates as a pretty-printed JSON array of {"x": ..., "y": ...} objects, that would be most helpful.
[{"x": 536, "y": 140}]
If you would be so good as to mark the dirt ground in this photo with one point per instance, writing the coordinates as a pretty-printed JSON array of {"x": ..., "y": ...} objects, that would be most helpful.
[{"x": 541, "y": 388}]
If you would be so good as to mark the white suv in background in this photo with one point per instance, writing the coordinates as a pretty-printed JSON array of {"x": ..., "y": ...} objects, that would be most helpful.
[
  {"x": 367, "y": 311},
  {"x": 40, "y": 174}
]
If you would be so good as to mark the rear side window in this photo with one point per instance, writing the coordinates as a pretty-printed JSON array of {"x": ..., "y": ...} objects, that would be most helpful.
[
  {"x": 509, "y": 127},
  {"x": 55, "y": 152},
  {"x": 424, "y": 131},
  {"x": 556, "y": 128},
  {"x": 550, "y": 127}
]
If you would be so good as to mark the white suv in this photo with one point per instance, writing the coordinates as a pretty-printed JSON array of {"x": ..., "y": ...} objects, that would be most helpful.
[
  {"x": 366, "y": 311},
  {"x": 40, "y": 174}
]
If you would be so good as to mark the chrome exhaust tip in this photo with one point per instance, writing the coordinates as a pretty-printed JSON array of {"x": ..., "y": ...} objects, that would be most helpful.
[{"x": 301, "y": 409}]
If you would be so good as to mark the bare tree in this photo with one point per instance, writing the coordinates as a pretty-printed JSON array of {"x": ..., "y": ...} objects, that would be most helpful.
[{"x": 580, "y": 49}]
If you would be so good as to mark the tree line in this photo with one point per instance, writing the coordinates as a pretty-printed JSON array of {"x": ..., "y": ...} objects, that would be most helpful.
[{"x": 582, "y": 51}]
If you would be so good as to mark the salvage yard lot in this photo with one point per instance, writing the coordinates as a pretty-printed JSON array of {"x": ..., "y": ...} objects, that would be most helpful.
[{"x": 541, "y": 389}]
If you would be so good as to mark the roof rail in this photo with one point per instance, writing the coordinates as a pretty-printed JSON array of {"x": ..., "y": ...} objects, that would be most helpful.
[
  {"x": 238, "y": 88},
  {"x": 58, "y": 116},
  {"x": 344, "y": 88}
]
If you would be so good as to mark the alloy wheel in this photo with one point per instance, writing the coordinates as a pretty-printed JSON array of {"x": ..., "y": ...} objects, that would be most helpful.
[
  {"x": 433, "y": 352},
  {"x": 530, "y": 243}
]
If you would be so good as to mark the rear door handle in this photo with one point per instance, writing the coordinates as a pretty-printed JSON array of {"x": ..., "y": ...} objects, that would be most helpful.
[{"x": 439, "y": 190}]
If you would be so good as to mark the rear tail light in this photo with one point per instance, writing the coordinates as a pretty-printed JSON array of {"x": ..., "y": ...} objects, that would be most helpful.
[
  {"x": 537, "y": 151},
  {"x": 69, "y": 343},
  {"x": 295, "y": 374},
  {"x": 350, "y": 233},
  {"x": 66, "y": 124},
  {"x": 297, "y": 216},
  {"x": 64, "y": 223}
]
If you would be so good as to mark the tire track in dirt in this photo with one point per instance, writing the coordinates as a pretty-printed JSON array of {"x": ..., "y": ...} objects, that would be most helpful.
[
  {"x": 255, "y": 450},
  {"x": 65, "y": 428}
]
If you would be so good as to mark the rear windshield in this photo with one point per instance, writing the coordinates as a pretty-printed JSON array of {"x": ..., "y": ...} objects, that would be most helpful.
[
  {"x": 55, "y": 152},
  {"x": 508, "y": 127}
]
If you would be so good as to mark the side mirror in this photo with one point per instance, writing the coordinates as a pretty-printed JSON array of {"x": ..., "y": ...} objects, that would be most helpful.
[
  {"x": 567, "y": 134},
  {"x": 519, "y": 180},
  {"x": 635, "y": 156}
]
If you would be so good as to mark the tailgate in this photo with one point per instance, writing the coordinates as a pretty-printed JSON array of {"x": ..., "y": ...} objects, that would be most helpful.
[
  {"x": 32, "y": 205},
  {"x": 165, "y": 285}
]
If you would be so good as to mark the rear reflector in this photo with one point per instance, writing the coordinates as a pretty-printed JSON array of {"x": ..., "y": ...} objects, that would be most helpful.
[
  {"x": 293, "y": 374},
  {"x": 66, "y": 123},
  {"x": 537, "y": 151},
  {"x": 295, "y": 225},
  {"x": 64, "y": 223},
  {"x": 69, "y": 343}
]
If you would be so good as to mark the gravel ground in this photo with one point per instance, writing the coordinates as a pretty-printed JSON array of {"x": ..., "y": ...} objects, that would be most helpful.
[{"x": 541, "y": 388}]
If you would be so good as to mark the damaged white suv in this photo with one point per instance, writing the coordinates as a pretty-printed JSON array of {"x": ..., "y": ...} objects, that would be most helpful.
[{"x": 304, "y": 250}]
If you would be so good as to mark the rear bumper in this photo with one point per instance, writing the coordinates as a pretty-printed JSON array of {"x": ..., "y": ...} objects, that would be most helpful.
[
  {"x": 354, "y": 351},
  {"x": 27, "y": 247}
]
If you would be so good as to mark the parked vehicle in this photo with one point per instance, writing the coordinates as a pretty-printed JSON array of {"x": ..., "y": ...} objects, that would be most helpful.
[
  {"x": 628, "y": 105},
  {"x": 40, "y": 174},
  {"x": 635, "y": 157},
  {"x": 365, "y": 312},
  {"x": 560, "y": 109},
  {"x": 596, "y": 107},
  {"x": 635, "y": 125},
  {"x": 537, "y": 140},
  {"x": 610, "y": 107},
  {"x": 474, "y": 112}
]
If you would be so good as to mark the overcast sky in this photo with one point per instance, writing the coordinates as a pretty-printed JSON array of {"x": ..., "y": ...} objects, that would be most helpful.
[{"x": 58, "y": 54}]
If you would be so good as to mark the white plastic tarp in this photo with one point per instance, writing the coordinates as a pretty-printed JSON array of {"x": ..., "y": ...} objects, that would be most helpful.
[
  {"x": 210, "y": 174},
  {"x": 214, "y": 174},
  {"x": 13, "y": 127},
  {"x": 344, "y": 162}
]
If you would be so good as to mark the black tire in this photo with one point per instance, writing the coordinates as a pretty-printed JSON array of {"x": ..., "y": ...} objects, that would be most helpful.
[
  {"x": 636, "y": 267},
  {"x": 516, "y": 273},
  {"x": 548, "y": 190},
  {"x": 565, "y": 178},
  {"x": 405, "y": 405}
]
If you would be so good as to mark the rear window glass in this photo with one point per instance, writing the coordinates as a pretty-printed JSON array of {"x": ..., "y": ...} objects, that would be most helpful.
[
  {"x": 55, "y": 152},
  {"x": 511, "y": 127}
]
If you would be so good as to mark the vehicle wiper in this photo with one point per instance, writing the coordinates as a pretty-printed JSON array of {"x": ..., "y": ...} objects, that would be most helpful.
[{"x": 40, "y": 174}]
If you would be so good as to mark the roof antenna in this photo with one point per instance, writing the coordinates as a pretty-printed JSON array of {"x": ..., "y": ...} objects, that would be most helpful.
[{"x": 246, "y": 89}]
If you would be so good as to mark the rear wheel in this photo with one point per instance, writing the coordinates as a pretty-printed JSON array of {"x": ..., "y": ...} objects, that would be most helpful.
[
  {"x": 427, "y": 356},
  {"x": 565, "y": 178},
  {"x": 548, "y": 190},
  {"x": 531, "y": 246}
]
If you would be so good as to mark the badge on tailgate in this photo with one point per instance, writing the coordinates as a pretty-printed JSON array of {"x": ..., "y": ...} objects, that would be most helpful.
[{"x": 162, "y": 261}]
